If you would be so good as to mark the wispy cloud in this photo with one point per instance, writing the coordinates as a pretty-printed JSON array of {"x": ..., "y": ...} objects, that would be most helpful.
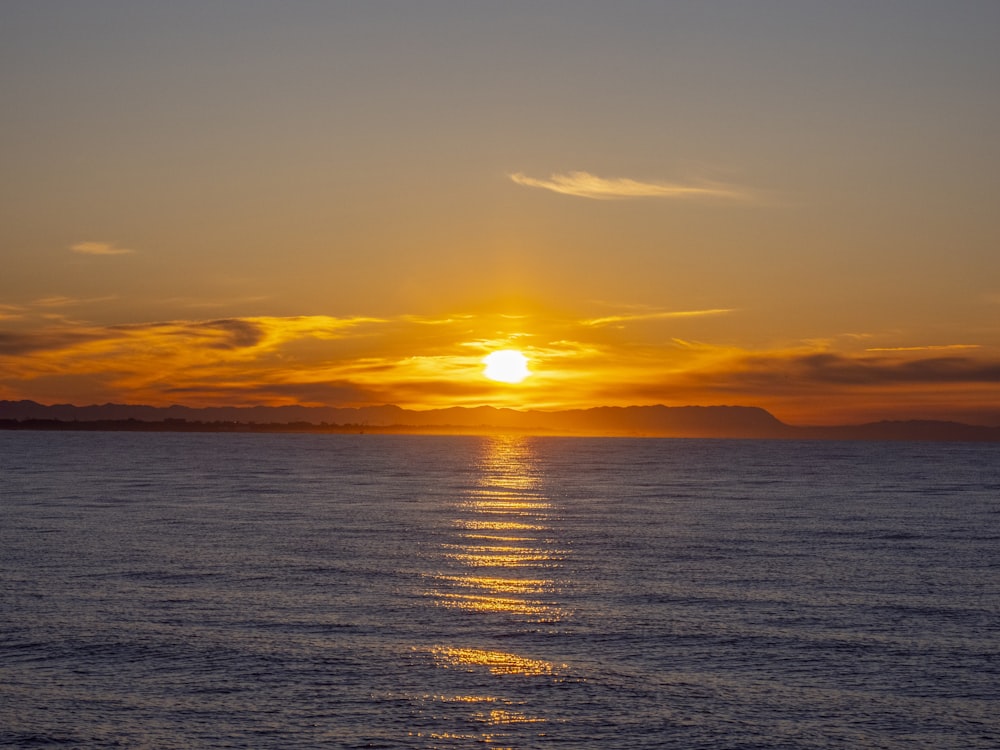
[
  {"x": 215, "y": 303},
  {"x": 11, "y": 312},
  {"x": 838, "y": 369},
  {"x": 586, "y": 185},
  {"x": 611, "y": 319},
  {"x": 99, "y": 248},
  {"x": 16, "y": 344},
  {"x": 55, "y": 301},
  {"x": 931, "y": 348}
]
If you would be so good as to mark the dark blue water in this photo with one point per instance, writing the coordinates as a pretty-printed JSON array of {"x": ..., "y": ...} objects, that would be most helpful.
[{"x": 289, "y": 591}]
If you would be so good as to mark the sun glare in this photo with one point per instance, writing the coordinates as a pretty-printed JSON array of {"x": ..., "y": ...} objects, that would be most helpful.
[{"x": 506, "y": 366}]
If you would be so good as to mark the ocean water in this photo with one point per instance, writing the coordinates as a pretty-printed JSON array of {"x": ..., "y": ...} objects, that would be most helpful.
[{"x": 367, "y": 591}]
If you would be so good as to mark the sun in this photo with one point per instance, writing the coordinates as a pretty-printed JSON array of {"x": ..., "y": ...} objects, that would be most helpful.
[{"x": 506, "y": 366}]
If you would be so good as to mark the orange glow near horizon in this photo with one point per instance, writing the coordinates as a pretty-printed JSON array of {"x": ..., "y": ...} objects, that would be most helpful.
[{"x": 428, "y": 363}]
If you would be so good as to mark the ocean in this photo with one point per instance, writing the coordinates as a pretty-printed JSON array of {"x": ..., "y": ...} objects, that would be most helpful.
[{"x": 170, "y": 591}]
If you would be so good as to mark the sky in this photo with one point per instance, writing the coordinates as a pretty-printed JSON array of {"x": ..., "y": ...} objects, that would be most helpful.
[{"x": 784, "y": 204}]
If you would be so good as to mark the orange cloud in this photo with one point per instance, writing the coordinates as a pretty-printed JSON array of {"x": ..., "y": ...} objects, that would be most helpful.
[
  {"x": 819, "y": 386},
  {"x": 931, "y": 348},
  {"x": 146, "y": 361},
  {"x": 655, "y": 316},
  {"x": 586, "y": 185},
  {"x": 99, "y": 248},
  {"x": 11, "y": 312}
]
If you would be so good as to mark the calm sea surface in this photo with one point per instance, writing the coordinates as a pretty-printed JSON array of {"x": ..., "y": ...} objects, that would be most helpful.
[{"x": 289, "y": 591}]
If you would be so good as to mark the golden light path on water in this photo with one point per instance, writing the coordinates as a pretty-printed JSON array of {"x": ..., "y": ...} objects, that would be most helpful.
[
  {"x": 497, "y": 662},
  {"x": 503, "y": 539},
  {"x": 501, "y": 562}
]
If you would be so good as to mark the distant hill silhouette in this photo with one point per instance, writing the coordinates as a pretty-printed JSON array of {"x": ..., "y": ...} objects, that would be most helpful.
[{"x": 652, "y": 421}]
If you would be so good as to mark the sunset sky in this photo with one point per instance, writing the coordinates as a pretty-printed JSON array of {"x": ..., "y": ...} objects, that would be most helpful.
[{"x": 785, "y": 204}]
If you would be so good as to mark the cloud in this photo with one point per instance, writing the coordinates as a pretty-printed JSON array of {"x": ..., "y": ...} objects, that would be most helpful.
[
  {"x": 833, "y": 368},
  {"x": 17, "y": 344},
  {"x": 656, "y": 316},
  {"x": 205, "y": 359},
  {"x": 56, "y": 301},
  {"x": 789, "y": 372},
  {"x": 99, "y": 248},
  {"x": 11, "y": 312},
  {"x": 235, "y": 334},
  {"x": 939, "y": 347},
  {"x": 586, "y": 185},
  {"x": 306, "y": 393},
  {"x": 801, "y": 386}
]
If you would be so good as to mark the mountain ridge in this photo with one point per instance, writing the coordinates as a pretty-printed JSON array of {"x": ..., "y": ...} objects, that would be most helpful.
[{"x": 612, "y": 421}]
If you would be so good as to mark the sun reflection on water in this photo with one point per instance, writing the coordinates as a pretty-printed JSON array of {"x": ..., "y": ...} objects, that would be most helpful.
[
  {"x": 501, "y": 585},
  {"x": 502, "y": 532},
  {"x": 479, "y": 525},
  {"x": 470, "y": 602},
  {"x": 497, "y": 662},
  {"x": 500, "y": 564}
]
